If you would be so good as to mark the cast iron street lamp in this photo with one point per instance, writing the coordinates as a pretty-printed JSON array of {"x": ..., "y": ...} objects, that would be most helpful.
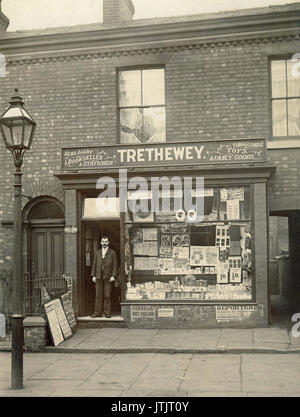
[{"x": 17, "y": 129}]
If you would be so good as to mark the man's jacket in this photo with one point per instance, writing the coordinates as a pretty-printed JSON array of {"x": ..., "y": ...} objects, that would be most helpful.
[{"x": 105, "y": 268}]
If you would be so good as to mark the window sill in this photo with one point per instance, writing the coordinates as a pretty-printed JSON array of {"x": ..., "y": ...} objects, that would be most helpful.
[{"x": 283, "y": 144}]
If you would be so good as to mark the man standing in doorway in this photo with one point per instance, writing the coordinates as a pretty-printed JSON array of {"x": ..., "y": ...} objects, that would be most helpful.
[{"x": 104, "y": 273}]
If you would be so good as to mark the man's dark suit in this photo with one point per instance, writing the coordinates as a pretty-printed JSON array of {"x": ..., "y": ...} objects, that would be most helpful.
[{"x": 103, "y": 270}]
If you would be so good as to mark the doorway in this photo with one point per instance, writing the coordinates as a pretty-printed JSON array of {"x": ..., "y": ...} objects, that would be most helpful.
[
  {"x": 280, "y": 278},
  {"x": 92, "y": 232},
  {"x": 46, "y": 260}
]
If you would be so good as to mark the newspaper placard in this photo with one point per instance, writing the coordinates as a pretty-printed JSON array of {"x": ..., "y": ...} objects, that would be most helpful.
[
  {"x": 233, "y": 209},
  {"x": 62, "y": 319},
  {"x": 165, "y": 312},
  {"x": 55, "y": 330},
  {"x": 227, "y": 313},
  {"x": 67, "y": 305}
]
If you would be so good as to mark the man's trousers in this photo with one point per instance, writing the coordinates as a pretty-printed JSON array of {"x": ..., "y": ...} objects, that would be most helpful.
[{"x": 103, "y": 297}]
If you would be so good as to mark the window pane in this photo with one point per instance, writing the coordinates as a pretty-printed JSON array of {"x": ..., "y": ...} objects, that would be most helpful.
[
  {"x": 294, "y": 117},
  {"x": 278, "y": 79},
  {"x": 293, "y": 81},
  {"x": 153, "y": 87},
  {"x": 130, "y": 88},
  {"x": 155, "y": 124},
  {"x": 279, "y": 118},
  {"x": 131, "y": 125}
]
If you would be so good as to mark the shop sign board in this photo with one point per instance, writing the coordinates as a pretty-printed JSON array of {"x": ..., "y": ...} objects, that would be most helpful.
[{"x": 165, "y": 154}]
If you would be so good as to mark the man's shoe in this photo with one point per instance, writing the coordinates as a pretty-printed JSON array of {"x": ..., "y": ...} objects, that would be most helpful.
[
  {"x": 108, "y": 316},
  {"x": 96, "y": 315}
]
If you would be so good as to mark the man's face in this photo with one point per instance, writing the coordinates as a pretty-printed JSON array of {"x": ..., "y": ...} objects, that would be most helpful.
[{"x": 104, "y": 243}]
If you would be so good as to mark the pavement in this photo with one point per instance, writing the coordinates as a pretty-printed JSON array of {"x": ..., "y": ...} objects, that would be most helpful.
[
  {"x": 122, "y": 362},
  {"x": 124, "y": 340},
  {"x": 145, "y": 375}
]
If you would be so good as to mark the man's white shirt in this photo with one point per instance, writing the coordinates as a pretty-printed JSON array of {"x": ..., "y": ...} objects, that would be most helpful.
[{"x": 104, "y": 250}]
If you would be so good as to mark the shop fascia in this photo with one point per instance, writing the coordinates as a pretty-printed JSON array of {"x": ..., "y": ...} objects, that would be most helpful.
[{"x": 136, "y": 192}]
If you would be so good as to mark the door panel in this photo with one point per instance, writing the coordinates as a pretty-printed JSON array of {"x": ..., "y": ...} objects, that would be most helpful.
[
  {"x": 47, "y": 251},
  {"x": 57, "y": 252},
  {"x": 39, "y": 264}
]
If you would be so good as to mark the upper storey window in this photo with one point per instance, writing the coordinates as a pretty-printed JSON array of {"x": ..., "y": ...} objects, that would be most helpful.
[
  {"x": 285, "y": 99},
  {"x": 142, "y": 110}
]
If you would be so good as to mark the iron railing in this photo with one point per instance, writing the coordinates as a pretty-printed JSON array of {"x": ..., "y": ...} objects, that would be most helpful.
[{"x": 55, "y": 285}]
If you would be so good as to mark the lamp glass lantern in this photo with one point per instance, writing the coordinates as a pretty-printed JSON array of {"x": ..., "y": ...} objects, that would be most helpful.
[{"x": 17, "y": 126}]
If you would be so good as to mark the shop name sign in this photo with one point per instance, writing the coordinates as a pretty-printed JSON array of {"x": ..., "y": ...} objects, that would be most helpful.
[{"x": 165, "y": 154}]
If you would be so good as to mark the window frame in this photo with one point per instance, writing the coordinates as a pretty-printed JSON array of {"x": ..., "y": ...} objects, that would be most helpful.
[
  {"x": 292, "y": 139},
  {"x": 119, "y": 108}
]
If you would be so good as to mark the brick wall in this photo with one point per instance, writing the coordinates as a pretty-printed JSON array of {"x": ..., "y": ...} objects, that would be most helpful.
[
  {"x": 211, "y": 93},
  {"x": 217, "y": 93},
  {"x": 285, "y": 184}
]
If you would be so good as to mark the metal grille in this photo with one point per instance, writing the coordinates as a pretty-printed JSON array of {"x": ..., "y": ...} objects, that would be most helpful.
[{"x": 55, "y": 284}]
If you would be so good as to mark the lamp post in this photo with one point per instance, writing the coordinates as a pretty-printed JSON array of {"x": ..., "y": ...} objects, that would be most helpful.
[{"x": 17, "y": 128}]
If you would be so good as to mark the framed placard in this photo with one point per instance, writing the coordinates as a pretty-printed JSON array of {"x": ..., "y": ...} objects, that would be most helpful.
[
  {"x": 62, "y": 319},
  {"x": 67, "y": 306},
  {"x": 55, "y": 330}
]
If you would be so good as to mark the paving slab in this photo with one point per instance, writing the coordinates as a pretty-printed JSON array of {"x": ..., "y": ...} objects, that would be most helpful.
[
  {"x": 267, "y": 375},
  {"x": 295, "y": 341},
  {"x": 67, "y": 370},
  {"x": 273, "y": 394},
  {"x": 220, "y": 393},
  {"x": 25, "y": 392},
  {"x": 220, "y": 373},
  {"x": 271, "y": 335},
  {"x": 109, "y": 382},
  {"x": 197, "y": 338},
  {"x": 154, "y": 393},
  {"x": 242, "y": 337},
  {"x": 269, "y": 346},
  {"x": 80, "y": 392}
]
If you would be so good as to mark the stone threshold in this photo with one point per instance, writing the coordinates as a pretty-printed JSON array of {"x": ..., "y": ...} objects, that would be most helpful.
[{"x": 100, "y": 319}]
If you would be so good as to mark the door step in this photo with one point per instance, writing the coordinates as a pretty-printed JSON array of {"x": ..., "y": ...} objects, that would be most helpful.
[{"x": 89, "y": 322}]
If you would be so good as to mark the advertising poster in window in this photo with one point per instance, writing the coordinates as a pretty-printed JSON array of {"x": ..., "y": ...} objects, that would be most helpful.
[{"x": 204, "y": 255}]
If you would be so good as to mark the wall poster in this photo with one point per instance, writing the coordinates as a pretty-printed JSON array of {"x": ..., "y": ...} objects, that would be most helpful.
[{"x": 204, "y": 255}]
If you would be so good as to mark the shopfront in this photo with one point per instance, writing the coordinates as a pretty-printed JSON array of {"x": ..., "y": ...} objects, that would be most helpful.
[{"x": 188, "y": 222}]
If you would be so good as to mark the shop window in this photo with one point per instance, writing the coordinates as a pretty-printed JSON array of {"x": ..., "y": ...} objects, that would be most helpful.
[
  {"x": 285, "y": 99},
  {"x": 171, "y": 258},
  {"x": 142, "y": 112}
]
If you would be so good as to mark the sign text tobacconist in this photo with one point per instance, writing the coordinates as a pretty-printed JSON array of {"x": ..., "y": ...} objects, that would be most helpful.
[{"x": 163, "y": 154}]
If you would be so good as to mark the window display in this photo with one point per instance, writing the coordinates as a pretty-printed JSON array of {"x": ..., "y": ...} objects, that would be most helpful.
[{"x": 171, "y": 258}]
